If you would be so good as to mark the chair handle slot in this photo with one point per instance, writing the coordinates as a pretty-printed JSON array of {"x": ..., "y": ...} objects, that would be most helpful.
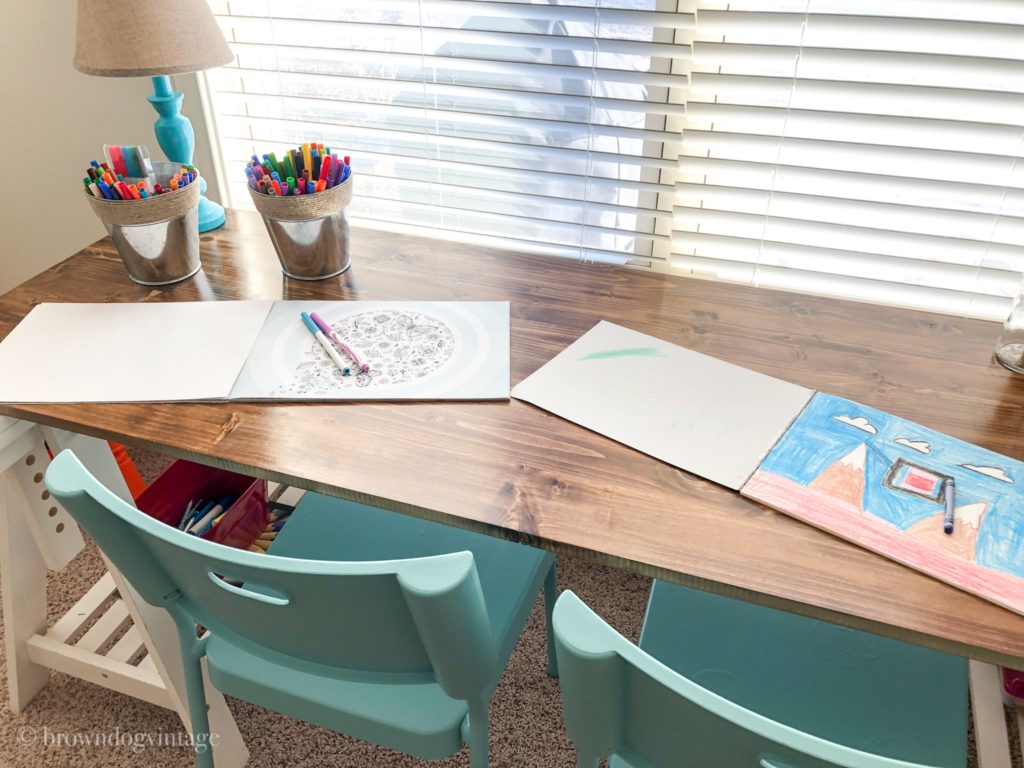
[{"x": 239, "y": 589}]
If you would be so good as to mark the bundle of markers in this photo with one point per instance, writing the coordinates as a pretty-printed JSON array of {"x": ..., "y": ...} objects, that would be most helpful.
[
  {"x": 201, "y": 516},
  {"x": 277, "y": 520},
  {"x": 304, "y": 170},
  {"x": 127, "y": 174}
]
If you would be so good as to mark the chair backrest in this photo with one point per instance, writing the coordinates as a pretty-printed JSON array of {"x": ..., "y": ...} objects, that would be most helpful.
[
  {"x": 619, "y": 700},
  {"x": 399, "y": 620}
]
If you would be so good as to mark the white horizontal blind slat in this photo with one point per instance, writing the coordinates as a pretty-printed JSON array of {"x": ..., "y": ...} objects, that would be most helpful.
[
  {"x": 558, "y": 124},
  {"x": 858, "y": 149}
]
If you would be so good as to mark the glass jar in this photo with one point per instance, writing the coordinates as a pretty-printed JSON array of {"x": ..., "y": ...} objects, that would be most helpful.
[{"x": 1010, "y": 348}]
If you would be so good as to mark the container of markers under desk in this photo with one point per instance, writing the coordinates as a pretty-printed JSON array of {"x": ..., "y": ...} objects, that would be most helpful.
[
  {"x": 185, "y": 481},
  {"x": 309, "y": 232},
  {"x": 157, "y": 238}
]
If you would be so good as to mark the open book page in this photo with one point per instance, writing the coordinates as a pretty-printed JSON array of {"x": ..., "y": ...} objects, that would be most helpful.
[
  {"x": 144, "y": 352},
  {"x": 415, "y": 350}
]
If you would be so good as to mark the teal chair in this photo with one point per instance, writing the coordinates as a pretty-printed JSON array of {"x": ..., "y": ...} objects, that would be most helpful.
[
  {"x": 377, "y": 625},
  {"x": 719, "y": 683}
]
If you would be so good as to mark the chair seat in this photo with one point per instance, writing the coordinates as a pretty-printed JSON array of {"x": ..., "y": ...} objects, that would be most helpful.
[
  {"x": 853, "y": 688},
  {"x": 417, "y": 718}
]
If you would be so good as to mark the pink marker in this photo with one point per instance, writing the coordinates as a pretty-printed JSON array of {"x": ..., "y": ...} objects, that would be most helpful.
[{"x": 330, "y": 334}]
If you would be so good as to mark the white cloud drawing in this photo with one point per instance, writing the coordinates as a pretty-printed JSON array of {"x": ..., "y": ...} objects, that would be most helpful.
[
  {"x": 996, "y": 472},
  {"x": 859, "y": 422},
  {"x": 918, "y": 445}
]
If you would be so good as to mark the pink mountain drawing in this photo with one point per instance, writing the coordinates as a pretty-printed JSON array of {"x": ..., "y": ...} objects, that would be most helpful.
[
  {"x": 844, "y": 479},
  {"x": 963, "y": 542}
]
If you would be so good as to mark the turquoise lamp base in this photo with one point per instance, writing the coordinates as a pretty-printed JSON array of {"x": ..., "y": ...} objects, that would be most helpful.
[
  {"x": 176, "y": 138},
  {"x": 211, "y": 214}
]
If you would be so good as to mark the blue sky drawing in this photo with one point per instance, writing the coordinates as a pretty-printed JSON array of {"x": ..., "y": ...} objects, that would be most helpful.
[{"x": 817, "y": 439}]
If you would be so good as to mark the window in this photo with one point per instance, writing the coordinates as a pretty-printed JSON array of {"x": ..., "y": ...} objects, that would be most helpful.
[
  {"x": 857, "y": 148},
  {"x": 864, "y": 149},
  {"x": 532, "y": 126}
]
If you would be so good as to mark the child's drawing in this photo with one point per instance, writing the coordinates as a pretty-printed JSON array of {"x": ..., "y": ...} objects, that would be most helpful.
[{"x": 880, "y": 481}]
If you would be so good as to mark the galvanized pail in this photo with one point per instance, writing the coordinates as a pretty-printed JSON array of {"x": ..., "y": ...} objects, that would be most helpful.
[
  {"x": 310, "y": 232},
  {"x": 158, "y": 237}
]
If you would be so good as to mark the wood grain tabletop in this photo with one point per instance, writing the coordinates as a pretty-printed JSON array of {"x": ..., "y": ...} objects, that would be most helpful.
[{"x": 513, "y": 470}]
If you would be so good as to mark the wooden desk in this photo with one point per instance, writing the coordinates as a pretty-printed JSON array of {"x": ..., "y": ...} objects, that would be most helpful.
[{"x": 513, "y": 470}]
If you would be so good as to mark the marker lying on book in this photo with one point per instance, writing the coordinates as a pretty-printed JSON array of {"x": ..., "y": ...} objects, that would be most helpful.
[
  {"x": 330, "y": 334},
  {"x": 319, "y": 336},
  {"x": 947, "y": 521}
]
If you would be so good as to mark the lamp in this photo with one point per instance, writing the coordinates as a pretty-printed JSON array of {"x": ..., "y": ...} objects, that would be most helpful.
[{"x": 155, "y": 38}]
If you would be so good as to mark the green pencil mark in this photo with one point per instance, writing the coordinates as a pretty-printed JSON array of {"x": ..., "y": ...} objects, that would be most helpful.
[{"x": 630, "y": 352}]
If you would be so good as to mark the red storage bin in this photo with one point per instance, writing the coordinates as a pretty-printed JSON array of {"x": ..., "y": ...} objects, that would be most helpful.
[
  {"x": 1013, "y": 685},
  {"x": 185, "y": 481}
]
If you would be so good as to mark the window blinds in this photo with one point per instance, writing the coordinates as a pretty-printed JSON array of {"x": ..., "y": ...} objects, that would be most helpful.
[
  {"x": 535, "y": 126},
  {"x": 857, "y": 148}
]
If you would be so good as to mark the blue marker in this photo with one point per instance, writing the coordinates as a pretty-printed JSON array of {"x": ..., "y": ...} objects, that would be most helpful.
[
  {"x": 205, "y": 523},
  {"x": 197, "y": 513},
  {"x": 947, "y": 520}
]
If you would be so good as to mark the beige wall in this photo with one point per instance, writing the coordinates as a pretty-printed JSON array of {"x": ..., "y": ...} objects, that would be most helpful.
[{"x": 53, "y": 120}]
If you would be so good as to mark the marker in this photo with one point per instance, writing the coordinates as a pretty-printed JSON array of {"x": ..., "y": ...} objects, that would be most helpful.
[
  {"x": 117, "y": 159},
  {"x": 186, "y": 515},
  {"x": 947, "y": 521},
  {"x": 198, "y": 512},
  {"x": 329, "y": 333},
  {"x": 205, "y": 523},
  {"x": 319, "y": 336}
]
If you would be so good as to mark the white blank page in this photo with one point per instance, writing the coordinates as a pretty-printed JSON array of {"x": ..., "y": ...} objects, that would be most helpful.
[
  {"x": 696, "y": 412},
  {"x": 105, "y": 353}
]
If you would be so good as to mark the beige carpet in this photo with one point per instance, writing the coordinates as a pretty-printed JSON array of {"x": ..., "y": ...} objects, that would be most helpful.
[{"x": 526, "y": 722}]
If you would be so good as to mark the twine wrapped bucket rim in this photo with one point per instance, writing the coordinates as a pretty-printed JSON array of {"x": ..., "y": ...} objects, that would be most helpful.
[
  {"x": 304, "y": 207},
  {"x": 152, "y": 210}
]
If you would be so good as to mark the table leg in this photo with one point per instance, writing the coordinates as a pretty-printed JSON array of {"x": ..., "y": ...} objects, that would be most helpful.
[
  {"x": 990, "y": 735},
  {"x": 154, "y": 624},
  {"x": 23, "y": 582}
]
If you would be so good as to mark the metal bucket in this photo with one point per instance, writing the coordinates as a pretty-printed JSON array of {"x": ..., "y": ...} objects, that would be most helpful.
[
  {"x": 161, "y": 252},
  {"x": 310, "y": 232},
  {"x": 156, "y": 238}
]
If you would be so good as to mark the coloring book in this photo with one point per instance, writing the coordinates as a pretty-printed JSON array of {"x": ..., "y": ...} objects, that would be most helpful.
[{"x": 255, "y": 350}]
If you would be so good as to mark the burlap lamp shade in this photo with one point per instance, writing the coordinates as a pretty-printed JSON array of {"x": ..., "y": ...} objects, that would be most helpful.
[{"x": 135, "y": 38}]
